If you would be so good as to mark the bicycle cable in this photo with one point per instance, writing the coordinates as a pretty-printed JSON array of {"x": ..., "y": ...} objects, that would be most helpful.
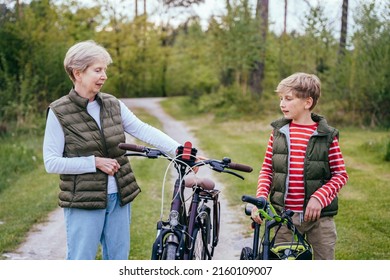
[{"x": 173, "y": 160}]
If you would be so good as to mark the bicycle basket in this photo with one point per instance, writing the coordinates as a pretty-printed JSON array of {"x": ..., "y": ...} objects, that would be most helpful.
[{"x": 291, "y": 251}]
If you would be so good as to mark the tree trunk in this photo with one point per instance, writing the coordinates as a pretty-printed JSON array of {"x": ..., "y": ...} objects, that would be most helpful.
[
  {"x": 257, "y": 72},
  {"x": 285, "y": 17},
  {"x": 344, "y": 26}
]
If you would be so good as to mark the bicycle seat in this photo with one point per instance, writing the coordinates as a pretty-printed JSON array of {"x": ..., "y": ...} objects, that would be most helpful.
[{"x": 203, "y": 183}]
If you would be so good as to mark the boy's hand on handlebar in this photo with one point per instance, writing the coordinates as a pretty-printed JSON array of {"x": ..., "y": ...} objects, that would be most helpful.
[
  {"x": 255, "y": 215},
  {"x": 107, "y": 165}
]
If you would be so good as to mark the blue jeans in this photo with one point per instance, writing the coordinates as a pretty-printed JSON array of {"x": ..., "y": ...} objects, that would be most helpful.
[{"x": 110, "y": 227}]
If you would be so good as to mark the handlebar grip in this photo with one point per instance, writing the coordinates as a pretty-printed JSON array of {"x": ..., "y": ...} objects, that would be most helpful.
[
  {"x": 132, "y": 147},
  {"x": 259, "y": 202},
  {"x": 240, "y": 167}
]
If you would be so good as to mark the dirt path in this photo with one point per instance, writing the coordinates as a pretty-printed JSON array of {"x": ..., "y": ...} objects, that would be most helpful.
[{"x": 47, "y": 241}]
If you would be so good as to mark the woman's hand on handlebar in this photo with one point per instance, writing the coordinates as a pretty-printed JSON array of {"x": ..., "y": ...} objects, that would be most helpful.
[{"x": 255, "y": 215}]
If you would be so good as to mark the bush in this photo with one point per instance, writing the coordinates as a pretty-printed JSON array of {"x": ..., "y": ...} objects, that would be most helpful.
[{"x": 229, "y": 102}]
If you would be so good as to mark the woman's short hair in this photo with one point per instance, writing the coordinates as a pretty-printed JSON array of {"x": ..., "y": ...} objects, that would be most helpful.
[
  {"x": 302, "y": 85},
  {"x": 82, "y": 55}
]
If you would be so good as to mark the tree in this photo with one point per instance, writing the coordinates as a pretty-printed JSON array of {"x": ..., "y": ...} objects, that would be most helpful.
[
  {"x": 237, "y": 45},
  {"x": 258, "y": 68},
  {"x": 191, "y": 67},
  {"x": 344, "y": 27},
  {"x": 370, "y": 78},
  {"x": 285, "y": 17}
]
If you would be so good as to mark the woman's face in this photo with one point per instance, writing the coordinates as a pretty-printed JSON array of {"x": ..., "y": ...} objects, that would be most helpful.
[{"x": 89, "y": 82}]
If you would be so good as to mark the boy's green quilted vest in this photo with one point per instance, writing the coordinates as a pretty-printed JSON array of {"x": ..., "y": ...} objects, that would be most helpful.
[{"x": 316, "y": 166}]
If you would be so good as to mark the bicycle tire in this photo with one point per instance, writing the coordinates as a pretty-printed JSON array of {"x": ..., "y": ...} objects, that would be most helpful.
[
  {"x": 201, "y": 239},
  {"x": 170, "y": 247},
  {"x": 216, "y": 222},
  {"x": 170, "y": 251},
  {"x": 246, "y": 254}
]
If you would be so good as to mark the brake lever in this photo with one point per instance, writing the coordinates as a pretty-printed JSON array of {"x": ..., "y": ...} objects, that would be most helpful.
[
  {"x": 153, "y": 153},
  {"x": 233, "y": 173},
  {"x": 135, "y": 154},
  {"x": 149, "y": 153}
]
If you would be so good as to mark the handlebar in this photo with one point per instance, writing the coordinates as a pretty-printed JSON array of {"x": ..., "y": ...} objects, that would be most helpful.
[
  {"x": 267, "y": 211},
  {"x": 216, "y": 165},
  {"x": 259, "y": 202},
  {"x": 132, "y": 147}
]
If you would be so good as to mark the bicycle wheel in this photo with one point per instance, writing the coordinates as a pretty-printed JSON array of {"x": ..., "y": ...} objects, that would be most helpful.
[
  {"x": 201, "y": 239},
  {"x": 246, "y": 254}
]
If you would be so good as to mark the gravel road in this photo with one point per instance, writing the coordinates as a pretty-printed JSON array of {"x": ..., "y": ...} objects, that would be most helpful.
[{"x": 47, "y": 241}]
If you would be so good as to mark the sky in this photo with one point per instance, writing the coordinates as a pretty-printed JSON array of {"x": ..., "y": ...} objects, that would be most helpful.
[{"x": 296, "y": 10}]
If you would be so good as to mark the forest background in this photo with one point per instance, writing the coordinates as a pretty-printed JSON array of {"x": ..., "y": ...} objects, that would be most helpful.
[{"x": 228, "y": 67}]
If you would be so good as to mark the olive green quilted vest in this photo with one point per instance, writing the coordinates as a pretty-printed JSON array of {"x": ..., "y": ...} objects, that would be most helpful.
[
  {"x": 316, "y": 165},
  {"x": 83, "y": 137}
]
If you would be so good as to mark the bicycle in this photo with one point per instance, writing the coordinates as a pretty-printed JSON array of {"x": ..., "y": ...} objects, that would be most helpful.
[
  {"x": 265, "y": 248},
  {"x": 192, "y": 234}
]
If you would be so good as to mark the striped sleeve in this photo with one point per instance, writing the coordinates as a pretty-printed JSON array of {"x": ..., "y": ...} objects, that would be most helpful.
[
  {"x": 265, "y": 176},
  {"x": 329, "y": 191}
]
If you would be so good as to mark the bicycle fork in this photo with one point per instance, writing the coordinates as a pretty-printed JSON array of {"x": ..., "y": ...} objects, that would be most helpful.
[{"x": 172, "y": 231}]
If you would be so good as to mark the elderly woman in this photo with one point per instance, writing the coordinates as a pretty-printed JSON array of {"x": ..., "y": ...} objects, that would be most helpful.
[{"x": 83, "y": 130}]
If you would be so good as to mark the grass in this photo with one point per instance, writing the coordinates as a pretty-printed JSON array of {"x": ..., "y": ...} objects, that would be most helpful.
[
  {"x": 363, "y": 222},
  {"x": 27, "y": 192}
]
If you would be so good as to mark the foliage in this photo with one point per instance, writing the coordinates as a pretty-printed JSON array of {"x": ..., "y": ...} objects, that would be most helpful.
[
  {"x": 236, "y": 44},
  {"x": 191, "y": 68},
  {"x": 213, "y": 65},
  {"x": 371, "y": 95}
]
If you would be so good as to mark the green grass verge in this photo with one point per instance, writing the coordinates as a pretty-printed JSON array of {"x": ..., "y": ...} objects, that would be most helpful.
[{"x": 27, "y": 192}]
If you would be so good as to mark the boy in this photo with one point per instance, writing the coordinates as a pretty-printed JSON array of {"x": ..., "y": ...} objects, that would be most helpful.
[{"x": 303, "y": 168}]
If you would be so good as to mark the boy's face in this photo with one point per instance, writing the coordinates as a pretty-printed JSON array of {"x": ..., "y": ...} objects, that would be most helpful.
[{"x": 294, "y": 108}]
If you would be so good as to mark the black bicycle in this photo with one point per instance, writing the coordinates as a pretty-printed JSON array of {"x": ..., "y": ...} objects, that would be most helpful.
[
  {"x": 265, "y": 248},
  {"x": 188, "y": 234}
]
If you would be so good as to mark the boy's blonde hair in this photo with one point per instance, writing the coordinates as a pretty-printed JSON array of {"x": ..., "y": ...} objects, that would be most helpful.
[
  {"x": 302, "y": 85},
  {"x": 82, "y": 55}
]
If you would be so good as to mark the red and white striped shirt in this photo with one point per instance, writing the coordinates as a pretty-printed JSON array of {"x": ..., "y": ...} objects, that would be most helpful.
[{"x": 299, "y": 138}]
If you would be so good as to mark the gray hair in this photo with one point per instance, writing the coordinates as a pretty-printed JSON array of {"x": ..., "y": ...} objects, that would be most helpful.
[{"x": 82, "y": 55}]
